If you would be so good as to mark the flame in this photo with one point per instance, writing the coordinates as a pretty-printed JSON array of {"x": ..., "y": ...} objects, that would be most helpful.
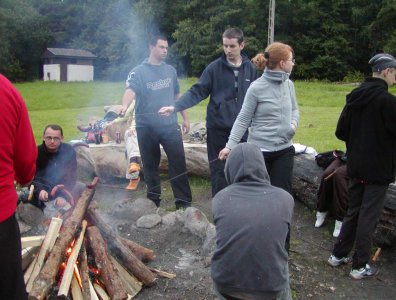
[{"x": 77, "y": 274}]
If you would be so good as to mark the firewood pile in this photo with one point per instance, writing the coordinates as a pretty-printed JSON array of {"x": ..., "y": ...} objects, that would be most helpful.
[{"x": 81, "y": 257}]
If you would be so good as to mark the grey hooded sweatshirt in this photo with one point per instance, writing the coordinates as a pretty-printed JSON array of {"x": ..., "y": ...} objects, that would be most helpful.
[{"x": 252, "y": 221}]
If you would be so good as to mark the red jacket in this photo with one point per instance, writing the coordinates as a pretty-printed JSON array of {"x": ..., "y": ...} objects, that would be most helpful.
[{"x": 18, "y": 149}]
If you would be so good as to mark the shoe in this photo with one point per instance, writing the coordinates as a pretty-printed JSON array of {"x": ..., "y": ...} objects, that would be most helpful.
[
  {"x": 133, "y": 184},
  {"x": 335, "y": 261},
  {"x": 367, "y": 272},
  {"x": 337, "y": 228},
  {"x": 133, "y": 168},
  {"x": 320, "y": 218}
]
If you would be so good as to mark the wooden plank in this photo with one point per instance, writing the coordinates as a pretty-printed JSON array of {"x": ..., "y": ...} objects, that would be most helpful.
[{"x": 32, "y": 241}]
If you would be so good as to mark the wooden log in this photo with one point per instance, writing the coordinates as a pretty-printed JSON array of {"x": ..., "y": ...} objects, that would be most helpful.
[
  {"x": 163, "y": 273},
  {"x": 131, "y": 284},
  {"x": 306, "y": 180},
  {"x": 110, "y": 277},
  {"x": 28, "y": 256},
  {"x": 84, "y": 273},
  {"x": 46, "y": 247},
  {"x": 101, "y": 292},
  {"x": 94, "y": 296},
  {"x": 32, "y": 241},
  {"x": 71, "y": 262},
  {"x": 47, "y": 276},
  {"x": 123, "y": 253},
  {"x": 144, "y": 254},
  {"x": 76, "y": 290}
]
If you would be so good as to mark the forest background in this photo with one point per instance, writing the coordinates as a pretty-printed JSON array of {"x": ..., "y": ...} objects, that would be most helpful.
[{"x": 333, "y": 40}]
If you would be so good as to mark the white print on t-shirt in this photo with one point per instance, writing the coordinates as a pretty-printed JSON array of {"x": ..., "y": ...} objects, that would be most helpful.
[{"x": 160, "y": 84}]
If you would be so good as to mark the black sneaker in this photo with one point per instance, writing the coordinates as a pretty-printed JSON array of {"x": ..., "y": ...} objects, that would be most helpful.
[{"x": 366, "y": 272}]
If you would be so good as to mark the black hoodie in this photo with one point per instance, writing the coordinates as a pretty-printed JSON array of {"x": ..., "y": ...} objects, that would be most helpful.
[
  {"x": 218, "y": 81},
  {"x": 252, "y": 221},
  {"x": 368, "y": 126}
]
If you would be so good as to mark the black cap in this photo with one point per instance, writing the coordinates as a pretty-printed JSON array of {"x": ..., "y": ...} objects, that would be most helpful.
[{"x": 381, "y": 62}]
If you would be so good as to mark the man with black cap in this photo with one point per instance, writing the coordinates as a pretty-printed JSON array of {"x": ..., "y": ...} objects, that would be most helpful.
[{"x": 367, "y": 125}]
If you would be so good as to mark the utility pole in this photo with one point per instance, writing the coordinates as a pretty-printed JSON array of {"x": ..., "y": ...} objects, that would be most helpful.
[{"x": 271, "y": 21}]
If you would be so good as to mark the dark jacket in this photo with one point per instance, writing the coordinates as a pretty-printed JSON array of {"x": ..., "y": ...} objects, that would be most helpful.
[
  {"x": 218, "y": 81},
  {"x": 252, "y": 221},
  {"x": 368, "y": 126},
  {"x": 55, "y": 168}
]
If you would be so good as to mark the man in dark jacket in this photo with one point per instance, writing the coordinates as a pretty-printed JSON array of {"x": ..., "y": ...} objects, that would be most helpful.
[
  {"x": 226, "y": 80},
  {"x": 56, "y": 164},
  {"x": 252, "y": 221},
  {"x": 367, "y": 125}
]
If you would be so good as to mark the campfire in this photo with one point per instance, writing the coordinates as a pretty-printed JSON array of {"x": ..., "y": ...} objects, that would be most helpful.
[{"x": 81, "y": 257}]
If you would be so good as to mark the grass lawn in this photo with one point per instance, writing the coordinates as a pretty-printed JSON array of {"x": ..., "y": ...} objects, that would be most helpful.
[{"x": 70, "y": 104}]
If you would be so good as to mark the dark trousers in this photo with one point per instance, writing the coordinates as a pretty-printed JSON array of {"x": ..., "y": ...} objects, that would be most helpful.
[
  {"x": 12, "y": 285},
  {"x": 333, "y": 190},
  {"x": 216, "y": 140},
  {"x": 169, "y": 137},
  {"x": 280, "y": 167},
  {"x": 366, "y": 202}
]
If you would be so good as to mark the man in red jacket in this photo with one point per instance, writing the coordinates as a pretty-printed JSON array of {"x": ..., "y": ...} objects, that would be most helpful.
[{"x": 17, "y": 163}]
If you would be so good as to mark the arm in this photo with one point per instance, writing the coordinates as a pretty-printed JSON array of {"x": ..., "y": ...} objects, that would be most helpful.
[
  {"x": 342, "y": 130},
  {"x": 198, "y": 92},
  {"x": 295, "y": 111},
  {"x": 127, "y": 99},
  {"x": 25, "y": 149}
]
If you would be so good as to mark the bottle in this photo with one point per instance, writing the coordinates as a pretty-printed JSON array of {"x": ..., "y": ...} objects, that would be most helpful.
[{"x": 118, "y": 137}]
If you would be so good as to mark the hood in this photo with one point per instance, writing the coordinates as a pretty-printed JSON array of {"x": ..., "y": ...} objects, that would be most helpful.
[
  {"x": 246, "y": 163},
  {"x": 366, "y": 93}
]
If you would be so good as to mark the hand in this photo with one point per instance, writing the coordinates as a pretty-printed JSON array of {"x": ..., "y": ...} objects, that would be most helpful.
[
  {"x": 294, "y": 127},
  {"x": 131, "y": 131},
  {"x": 185, "y": 126},
  {"x": 43, "y": 196},
  {"x": 224, "y": 153},
  {"x": 108, "y": 124},
  {"x": 60, "y": 202},
  {"x": 166, "y": 111},
  {"x": 123, "y": 110}
]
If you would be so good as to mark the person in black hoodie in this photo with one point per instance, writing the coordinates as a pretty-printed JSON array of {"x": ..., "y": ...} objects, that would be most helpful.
[
  {"x": 367, "y": 125},
  {"x": 226, "y": 80},
  {"x": 252, "y": 220}
]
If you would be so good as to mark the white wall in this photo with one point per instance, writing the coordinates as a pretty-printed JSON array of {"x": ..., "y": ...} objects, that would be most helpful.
[
  {"x": 80, "y": 73},
  {"x": 54, "y": 72}
]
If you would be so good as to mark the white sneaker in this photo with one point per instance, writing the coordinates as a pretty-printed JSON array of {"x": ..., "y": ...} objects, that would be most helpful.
[
  {"x": 337, "y": 228},
  {"x": 320, "y": 218}
]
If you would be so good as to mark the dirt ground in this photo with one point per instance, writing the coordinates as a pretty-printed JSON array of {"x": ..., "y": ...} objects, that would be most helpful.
[{"x": 180, "y": 252}]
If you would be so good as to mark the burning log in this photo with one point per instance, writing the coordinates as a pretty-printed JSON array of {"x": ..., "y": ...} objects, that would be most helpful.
[
  {"x": 94, "y": 296},
  {"x": 84, "y": 273},
  {"x": 110, "y": 277},
  {"x": 123, "y": 253},
  {"x": 46, "y": 247},
  {"x": 71, "y": 262},
  {"x": 144, "y": 254},
  {"x": 46, "y": 278}
]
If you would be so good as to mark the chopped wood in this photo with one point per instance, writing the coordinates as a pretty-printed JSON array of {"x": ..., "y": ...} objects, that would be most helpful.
[
  {"x": 94, "y": 296},
  {"x": 163, "y": 273},
  {"x": 71, "y": 262},
  {"x": 76, "y": 290},
  {"x": 144, "y": 254},
  {"x": 131, "y": 284},
  {"x": 28, "y": 255},
  {"x": 101, "y": 292},
  {"x": 123, "y": 253},
  {"x": 32, "y": 241},
  {"x": 46, "y": 247},
  {"x": 109, "y": 275},
  {"x": 84, "y": 273},
  {"x": 47, "y": 276}
]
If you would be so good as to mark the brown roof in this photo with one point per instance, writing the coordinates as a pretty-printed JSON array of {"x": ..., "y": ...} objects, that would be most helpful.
[{"x": 63, "y": 52}]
